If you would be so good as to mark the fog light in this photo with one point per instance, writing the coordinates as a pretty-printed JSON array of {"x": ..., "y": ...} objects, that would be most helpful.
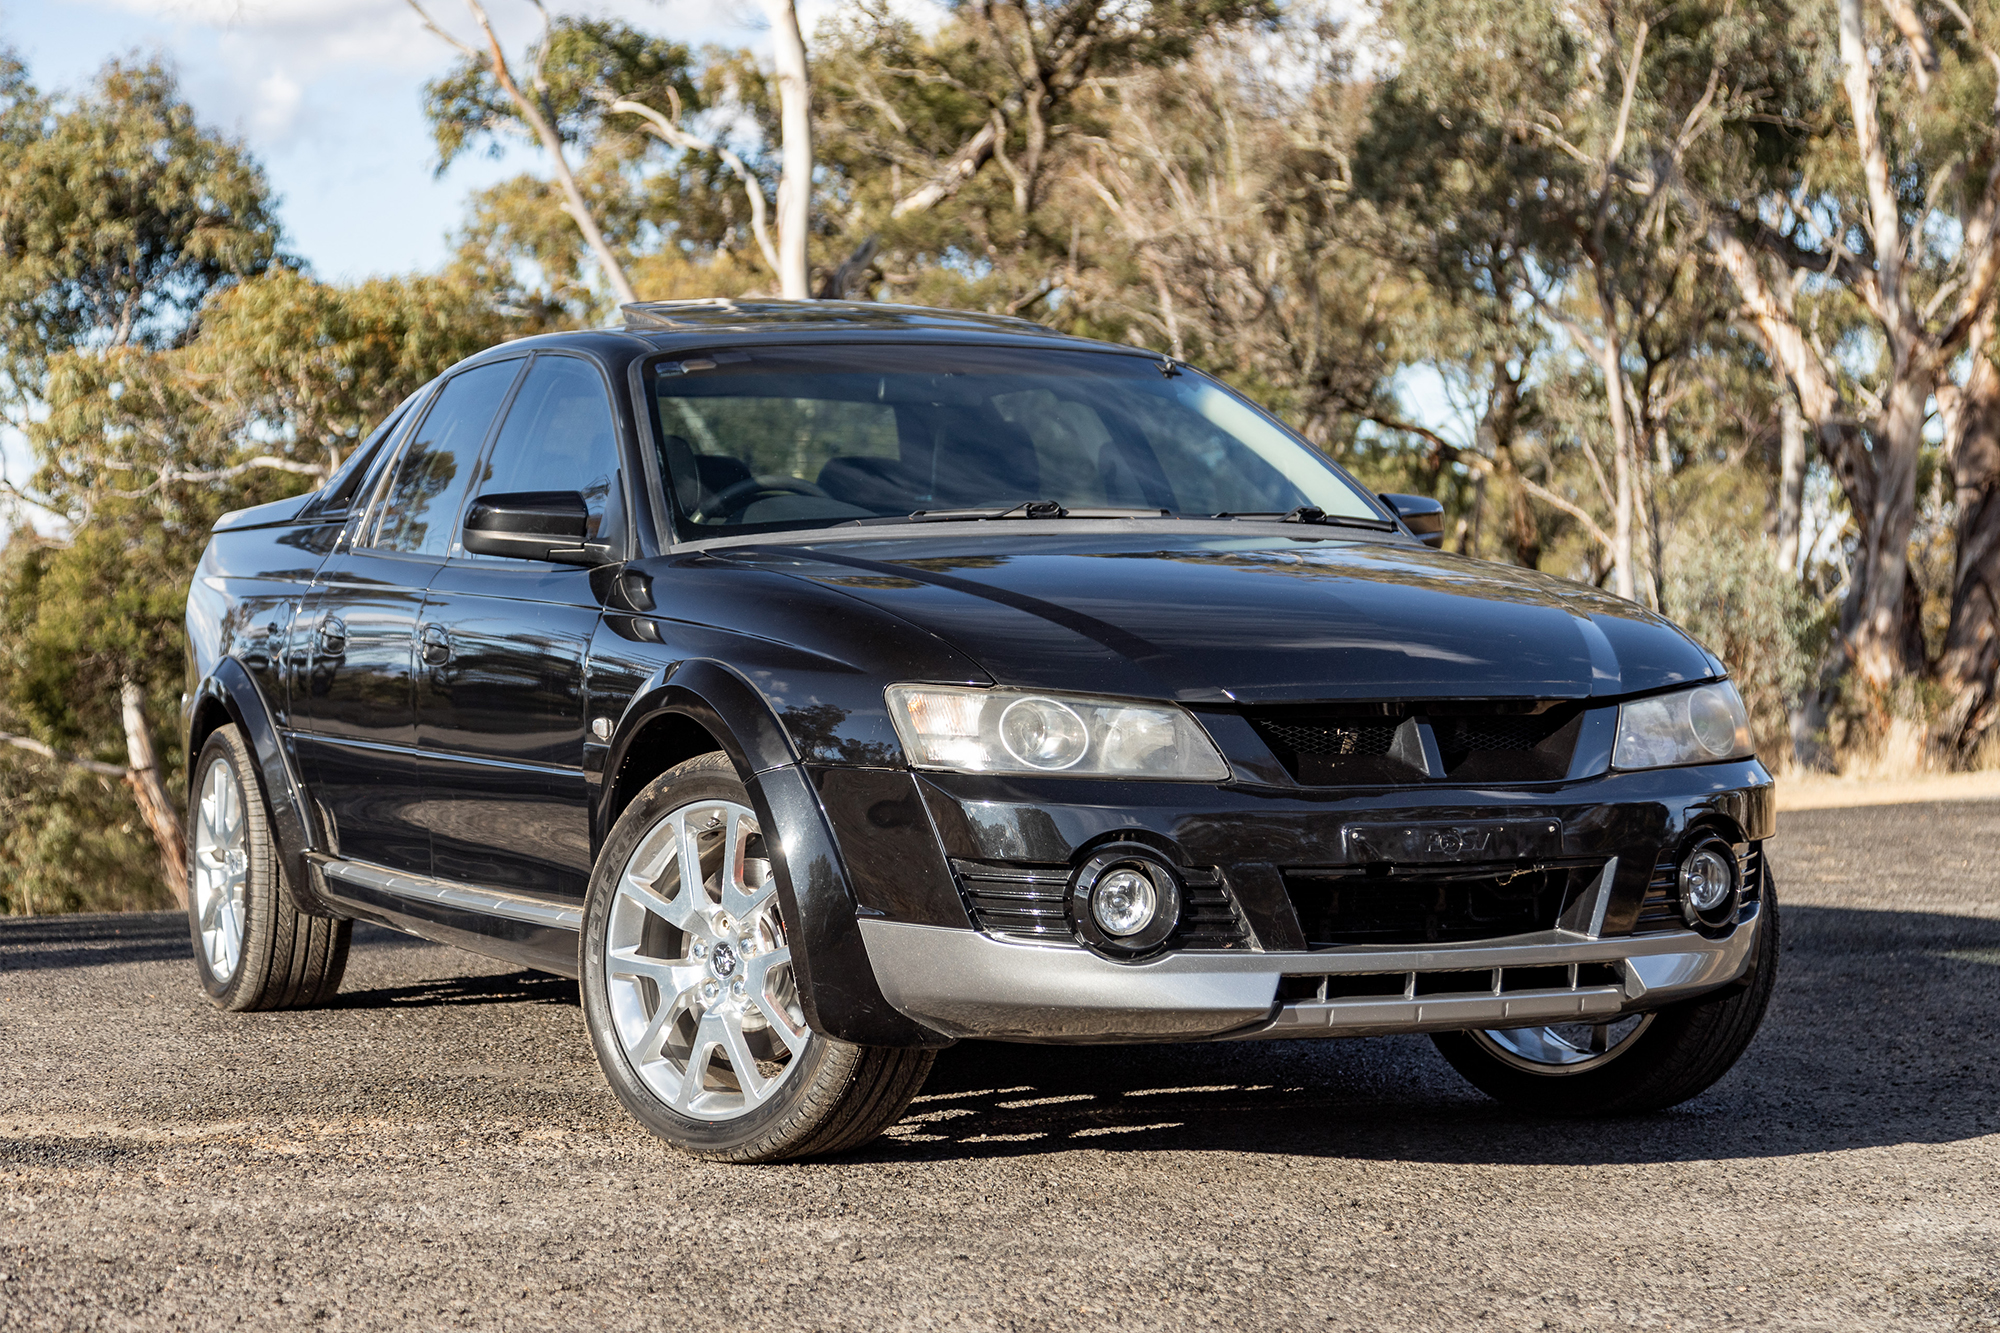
[
  {"x": 1708, "y": 885},
  {"x": 1124, "y": 902}
]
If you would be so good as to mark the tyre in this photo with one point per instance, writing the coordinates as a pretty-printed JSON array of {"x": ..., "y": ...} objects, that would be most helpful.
[
  {"x": 690, "y": 995},
  {"x": 252, "y": 948},
  {"x": 1642, "y": 1062}
]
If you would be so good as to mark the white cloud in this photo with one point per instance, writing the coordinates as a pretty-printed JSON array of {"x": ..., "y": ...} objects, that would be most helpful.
[{"x": 279, "y": 97}]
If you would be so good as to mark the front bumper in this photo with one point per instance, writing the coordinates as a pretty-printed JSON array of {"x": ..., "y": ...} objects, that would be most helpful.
[
  {"x": 968, "y": 984},
  {"x": 924, "y": 852}
]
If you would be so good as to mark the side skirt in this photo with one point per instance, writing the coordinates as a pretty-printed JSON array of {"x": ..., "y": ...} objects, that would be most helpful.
[{"x": 529, "y": 931}]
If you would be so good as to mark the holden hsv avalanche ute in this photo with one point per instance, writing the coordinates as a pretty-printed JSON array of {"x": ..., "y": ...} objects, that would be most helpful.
[{"x": 819, "y": 684}]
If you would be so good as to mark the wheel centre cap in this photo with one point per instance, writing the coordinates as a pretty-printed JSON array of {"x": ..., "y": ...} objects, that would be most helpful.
[{"x": 722, "y": 961}]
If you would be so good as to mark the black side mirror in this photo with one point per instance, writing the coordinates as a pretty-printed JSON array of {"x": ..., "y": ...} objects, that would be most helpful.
[
  {"x": 532, "y": 525},
  {"x": 1421, "y": 515}
]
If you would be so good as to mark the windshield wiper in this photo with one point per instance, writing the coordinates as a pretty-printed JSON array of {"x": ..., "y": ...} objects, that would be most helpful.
[
  {"x": 1030, "y": 509},
  {"x": 1314, "y": 514}
]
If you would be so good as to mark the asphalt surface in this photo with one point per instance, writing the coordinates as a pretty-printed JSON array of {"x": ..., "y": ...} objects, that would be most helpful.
[{"x": 438, "y": 1151}]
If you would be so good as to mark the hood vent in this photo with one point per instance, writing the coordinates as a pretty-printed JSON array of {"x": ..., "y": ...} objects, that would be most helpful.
[{"x": 1396, "y": 744}]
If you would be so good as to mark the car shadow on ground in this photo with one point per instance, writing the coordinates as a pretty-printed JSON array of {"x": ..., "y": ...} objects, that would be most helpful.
[
  {"x": 511, "y": 988},
  {"x": 92, "y": 939}
]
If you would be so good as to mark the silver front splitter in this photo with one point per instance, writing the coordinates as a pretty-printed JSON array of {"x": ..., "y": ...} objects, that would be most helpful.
[{"x": 968, "y": 984}]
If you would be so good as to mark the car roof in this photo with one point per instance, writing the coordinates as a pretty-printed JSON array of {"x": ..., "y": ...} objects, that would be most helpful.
[
  {"x": 664, "y": 326},
  {"x": 726, "y": 315}
]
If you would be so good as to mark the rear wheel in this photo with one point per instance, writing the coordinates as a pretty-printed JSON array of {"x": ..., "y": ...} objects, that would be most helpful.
[
  {"x": 253, "y": 949},
  {"x": 690, "y": 994},
  {"x": 1641, "y": 1062}
]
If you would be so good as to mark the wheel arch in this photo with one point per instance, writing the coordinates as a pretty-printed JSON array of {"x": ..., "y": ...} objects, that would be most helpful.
[
  {"x": 228, "y": 695},
  {"x": 700, "y": 706}
]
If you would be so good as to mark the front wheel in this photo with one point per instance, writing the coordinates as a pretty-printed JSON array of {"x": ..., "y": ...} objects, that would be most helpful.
[
  {"x": 1637, "y": 1063},
  {"x": 690, "y": 994}
]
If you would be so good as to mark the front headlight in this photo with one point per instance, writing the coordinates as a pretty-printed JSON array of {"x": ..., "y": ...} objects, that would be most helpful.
[
  {"x": 1026, "y": 731},
  {"x": 1697, "y": 726}
]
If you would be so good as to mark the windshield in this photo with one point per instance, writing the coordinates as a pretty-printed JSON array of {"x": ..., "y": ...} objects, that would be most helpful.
[{"x": 776, "y": 438}]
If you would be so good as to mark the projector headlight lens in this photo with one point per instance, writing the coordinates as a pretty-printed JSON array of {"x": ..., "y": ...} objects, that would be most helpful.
[
  {"x": 1043, "y": 734},
  {"x": 1706, "y": 879},
  {"x": 1709, "y": 887},
  {"x": 1696, "y": 726},
  {"x": 1123, "y": 902},
  {"x": 1024, "y": 731}
]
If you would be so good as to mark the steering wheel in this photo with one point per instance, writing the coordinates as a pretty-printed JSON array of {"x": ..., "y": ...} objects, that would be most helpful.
[{"x": 738, "y": 496}]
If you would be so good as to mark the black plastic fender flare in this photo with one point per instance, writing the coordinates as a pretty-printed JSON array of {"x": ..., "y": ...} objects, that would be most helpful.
[
  {"x": 837, "y": 985},
  {"x": 285, "y": 804}
]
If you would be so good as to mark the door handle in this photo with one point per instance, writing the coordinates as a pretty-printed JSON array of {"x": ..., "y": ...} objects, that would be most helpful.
[
  {"x": 332, "y": 636},
  {"x": 436, "y": 645}
]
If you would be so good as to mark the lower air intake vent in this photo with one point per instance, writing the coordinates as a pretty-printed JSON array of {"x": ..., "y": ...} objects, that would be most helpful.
[
  {"x": 1431, "y": 905},
  {"x": 1030, "y": 903},
  {"x": 1661, "y": 908}
]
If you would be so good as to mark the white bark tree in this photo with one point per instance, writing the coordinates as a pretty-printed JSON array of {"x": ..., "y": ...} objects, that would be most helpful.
[
  {"x": 533, "y": 112},
  {"x": 795, "y": 121}
]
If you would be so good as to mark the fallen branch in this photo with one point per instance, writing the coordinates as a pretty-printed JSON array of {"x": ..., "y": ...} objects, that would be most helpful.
[{"x": 33, "y": 746}]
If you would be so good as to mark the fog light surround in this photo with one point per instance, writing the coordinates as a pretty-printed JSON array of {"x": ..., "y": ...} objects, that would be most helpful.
[
  {"x": 1710, "y": 888},
  {"x": 1125, "y": 901}
]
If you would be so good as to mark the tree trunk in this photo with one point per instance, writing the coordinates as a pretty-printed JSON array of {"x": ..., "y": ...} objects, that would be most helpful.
[
  {"x": 1972, "y": 640},
  {"x": 154, "y": 807},
  {"x": 1873, "y": 620},
  {"x": 1791, "y": 477},
  {"x": 795, "y": 119},
  {"x": 1611, "y": 362},
  {"x": 1498, "y": 429}
]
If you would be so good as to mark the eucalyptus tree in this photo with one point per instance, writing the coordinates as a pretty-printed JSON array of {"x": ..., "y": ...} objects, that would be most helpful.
[
  {"x": 636, "y": 130},
  {"x": 1850, "y": 190},
  {"x": 953, "y": 144}
]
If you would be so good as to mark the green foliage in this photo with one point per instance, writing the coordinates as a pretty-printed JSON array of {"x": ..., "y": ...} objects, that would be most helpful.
[
  {"x": 1725, "y": 587},
  {"x": 71, "y": 841},
  {"x": 118, "y": 215}
]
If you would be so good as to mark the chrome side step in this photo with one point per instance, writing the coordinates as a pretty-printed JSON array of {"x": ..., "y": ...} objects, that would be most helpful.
[{"x": 450, "y": 893}]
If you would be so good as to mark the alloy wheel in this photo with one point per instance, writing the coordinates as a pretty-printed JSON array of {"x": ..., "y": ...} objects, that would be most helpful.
[
  {"x": 697, "y": 967},
  {"x": 221, "y": 868}
]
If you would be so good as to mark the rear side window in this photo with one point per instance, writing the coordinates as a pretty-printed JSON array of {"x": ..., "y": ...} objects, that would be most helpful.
[
  {"x": 419, "y": 513},
  {"x": 559, "y": 435}
]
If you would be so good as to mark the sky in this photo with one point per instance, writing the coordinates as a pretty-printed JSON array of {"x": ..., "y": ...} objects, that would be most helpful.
[{"x": 328, "y": 95}]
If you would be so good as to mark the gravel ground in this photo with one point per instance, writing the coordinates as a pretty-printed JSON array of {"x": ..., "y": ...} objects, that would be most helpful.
[{"x": 438, "y": 1151}]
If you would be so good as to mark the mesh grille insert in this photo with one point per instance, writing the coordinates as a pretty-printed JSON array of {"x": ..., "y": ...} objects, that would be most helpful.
[{"x": 1327, "y": 738}]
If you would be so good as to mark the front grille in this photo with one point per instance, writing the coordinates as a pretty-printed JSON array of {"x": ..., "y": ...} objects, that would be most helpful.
[
  {"x": 1335, "y": 739},
  {"x": 1501, "y": 747},
  {"x": 1661, "y": 907},
  {"x": 1390, "y": 904},
  {"x": 1481, "y": 981},
  {"x": 1031, "y": 902},
  {"x": 1384, "y": 744}
]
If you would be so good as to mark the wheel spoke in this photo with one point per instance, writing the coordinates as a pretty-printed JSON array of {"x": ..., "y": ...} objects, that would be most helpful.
[
  {"x": 674, "y": 976},
  {"x": 645, "y": 1049},
  {"x": 694, "y": 884},
  {"x": 754, "y": 1085},
  {"x": 708, "y": 1038},
  {"x": 740, "y": 898},
  {"x": 782, "y": 1023}
]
